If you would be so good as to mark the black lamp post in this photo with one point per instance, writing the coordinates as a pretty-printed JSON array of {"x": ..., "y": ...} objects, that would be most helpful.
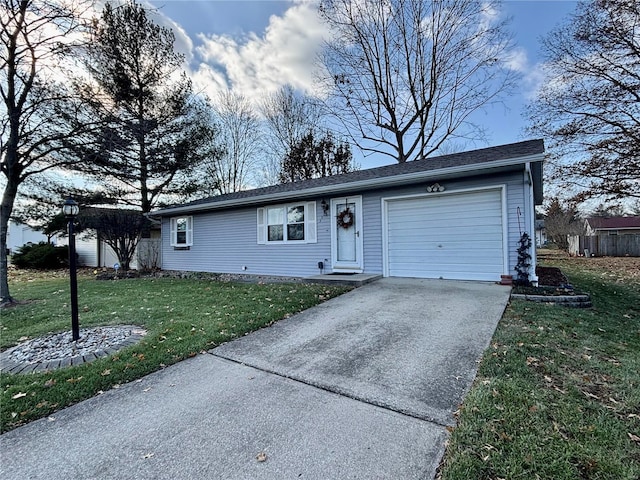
[{"x": 70, "y": 210}]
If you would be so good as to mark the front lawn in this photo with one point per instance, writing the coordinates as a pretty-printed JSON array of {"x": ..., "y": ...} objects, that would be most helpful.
[
  {"x": 558, "y": 392},
  {"x": 182, "y": 318}
]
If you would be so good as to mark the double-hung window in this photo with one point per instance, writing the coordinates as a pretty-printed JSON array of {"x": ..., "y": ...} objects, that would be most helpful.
[
  {"x": 182, "y": 231},
  {"x": 292, "y": 223}
]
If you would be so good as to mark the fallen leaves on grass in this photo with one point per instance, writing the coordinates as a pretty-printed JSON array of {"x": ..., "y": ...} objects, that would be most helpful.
[
  {"x": 19, "y": 395},
  {"x": 590, "y": 395},
  {"x": 634, "y": 438},
  {"x": 532, "y": 361}
]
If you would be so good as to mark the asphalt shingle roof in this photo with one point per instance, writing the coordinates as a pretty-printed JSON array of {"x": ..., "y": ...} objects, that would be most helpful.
[
  {"x": 472, "y": 157},
  {"x": 615, "y": 223}
]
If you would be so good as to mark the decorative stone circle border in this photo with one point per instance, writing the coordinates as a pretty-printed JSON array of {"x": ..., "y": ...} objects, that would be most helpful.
[
  {"x": 574, "y": 301},
  {"x": 101, "y": 342}
]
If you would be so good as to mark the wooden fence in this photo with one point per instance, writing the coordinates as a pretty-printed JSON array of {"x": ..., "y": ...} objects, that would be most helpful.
[{"x": 605, "y": 245}]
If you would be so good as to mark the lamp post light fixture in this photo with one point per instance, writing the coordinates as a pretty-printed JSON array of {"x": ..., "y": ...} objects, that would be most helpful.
[{"x": 70, "y": 210}]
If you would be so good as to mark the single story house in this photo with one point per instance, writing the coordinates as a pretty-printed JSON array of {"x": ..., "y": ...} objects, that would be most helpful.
[
  {"x": 456, "y": 216},
  {"x": 612, "y": 226},
  {"x": 20, "y": 234}
]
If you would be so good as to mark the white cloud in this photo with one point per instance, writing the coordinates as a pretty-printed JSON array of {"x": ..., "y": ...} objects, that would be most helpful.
[
  {"x": 259, "y": 64},
  {"x": 517, "y": 60},
  {"x": 183, "y": 43},
  {"x": 534, "y": 78}
]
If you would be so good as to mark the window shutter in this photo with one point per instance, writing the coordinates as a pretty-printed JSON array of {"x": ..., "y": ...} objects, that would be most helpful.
[
  {"x": 262, "y": 231},
  {"x": 172, "y": 231},
  {"x": 310, "y": 223},
  {"x": 189, "y": 230}
]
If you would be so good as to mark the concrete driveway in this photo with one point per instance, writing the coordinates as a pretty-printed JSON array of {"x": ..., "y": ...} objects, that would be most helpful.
[{"x": 360, "y": 387}]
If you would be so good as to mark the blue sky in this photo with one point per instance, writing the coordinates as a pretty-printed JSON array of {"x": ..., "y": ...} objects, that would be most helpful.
[{"x": 255, "y": 46}]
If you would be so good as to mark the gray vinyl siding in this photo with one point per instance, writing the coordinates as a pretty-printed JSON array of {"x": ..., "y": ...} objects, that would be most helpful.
[{"x": 226, "y": 240}]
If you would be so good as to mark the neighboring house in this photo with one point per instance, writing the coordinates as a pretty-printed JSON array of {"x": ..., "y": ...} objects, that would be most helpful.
[
  {"x": 612, "y": 226},
  {"x": 608, "y": 236},
  {"x": 457, "y": 216},
  {"x": 94, "y": 252},
  {"x": 541, "y": 234},
  {"x": 19, "y": 234}
]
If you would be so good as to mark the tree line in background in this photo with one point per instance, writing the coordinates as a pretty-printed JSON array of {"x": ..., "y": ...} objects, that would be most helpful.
[
  {"x": 588, "y": 108},
  {"x": 100, "y": 108},
  {"x": 588, "y": 112},
  {"x": 105, "y": 99}
]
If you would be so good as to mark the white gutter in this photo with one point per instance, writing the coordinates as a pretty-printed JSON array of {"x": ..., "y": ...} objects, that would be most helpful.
[
  {"x": 387, "y": 181},
  {"x": 532, "y": 225}
]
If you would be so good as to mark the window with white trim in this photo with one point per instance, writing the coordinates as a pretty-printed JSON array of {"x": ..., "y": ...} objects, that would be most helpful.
[
  {"x": 182, "y": 231},
  {"x": 292, "y": 223}
]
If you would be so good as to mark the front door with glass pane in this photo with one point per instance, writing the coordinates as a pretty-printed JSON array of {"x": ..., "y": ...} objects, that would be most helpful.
[{"x": 346, "y": 234}]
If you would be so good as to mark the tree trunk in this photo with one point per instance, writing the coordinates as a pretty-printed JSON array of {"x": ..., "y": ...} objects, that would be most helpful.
[{"x": 8, "y": 198}]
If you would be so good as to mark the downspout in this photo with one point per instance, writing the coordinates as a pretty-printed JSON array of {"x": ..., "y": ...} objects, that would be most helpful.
[{"x": 532, "y": 224}]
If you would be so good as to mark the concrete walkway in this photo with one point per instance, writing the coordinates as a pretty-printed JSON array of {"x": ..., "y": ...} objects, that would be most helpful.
[{"x": 360, "y": 387}]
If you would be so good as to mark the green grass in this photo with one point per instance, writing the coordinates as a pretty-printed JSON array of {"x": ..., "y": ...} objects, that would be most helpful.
[
  {"x": 182, "y": 318},
  {"x": 558, "y": 392}
]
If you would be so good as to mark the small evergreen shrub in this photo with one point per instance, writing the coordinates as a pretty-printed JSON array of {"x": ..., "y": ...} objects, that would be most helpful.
[
  {"x": 40, "y": 256},
  {"x": 524, "y": 261}
]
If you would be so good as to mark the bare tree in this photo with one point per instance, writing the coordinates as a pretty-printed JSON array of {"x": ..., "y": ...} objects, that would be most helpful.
[
  {"x": 288, "y": 116},
  {"x": 560, "y": 221},
  {"x": 608, "y": 210},
  {"x": 588, "y": 108},
  {"x": 406, "y": 75},
  {"x": 120, "y": 229},
  {"x": 239, "y": 142},
  {"x": 36, "y": 37}
]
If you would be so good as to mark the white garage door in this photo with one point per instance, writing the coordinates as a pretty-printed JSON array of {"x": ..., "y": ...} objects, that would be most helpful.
[{"x": 456, "y": 236}]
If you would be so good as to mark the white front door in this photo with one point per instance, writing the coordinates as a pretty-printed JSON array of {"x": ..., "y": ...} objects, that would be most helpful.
[{"x": 346, "y": 235}]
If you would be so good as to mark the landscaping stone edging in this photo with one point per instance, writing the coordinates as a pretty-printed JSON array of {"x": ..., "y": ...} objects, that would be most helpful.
[
  {"x": 9, "y": 364},
  {"x": 574, "y": 301}
]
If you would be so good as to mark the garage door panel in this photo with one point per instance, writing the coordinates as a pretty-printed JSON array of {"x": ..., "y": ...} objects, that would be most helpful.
[
  {"x": 446, "y": 213},
  {"x": 479, "y": 231},
  {"x": 456, "y": 236}
]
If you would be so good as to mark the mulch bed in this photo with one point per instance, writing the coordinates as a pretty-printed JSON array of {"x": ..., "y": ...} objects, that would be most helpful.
[
  {"x": 551, "y": 281},
  {"x": 551, "y": 276}
]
